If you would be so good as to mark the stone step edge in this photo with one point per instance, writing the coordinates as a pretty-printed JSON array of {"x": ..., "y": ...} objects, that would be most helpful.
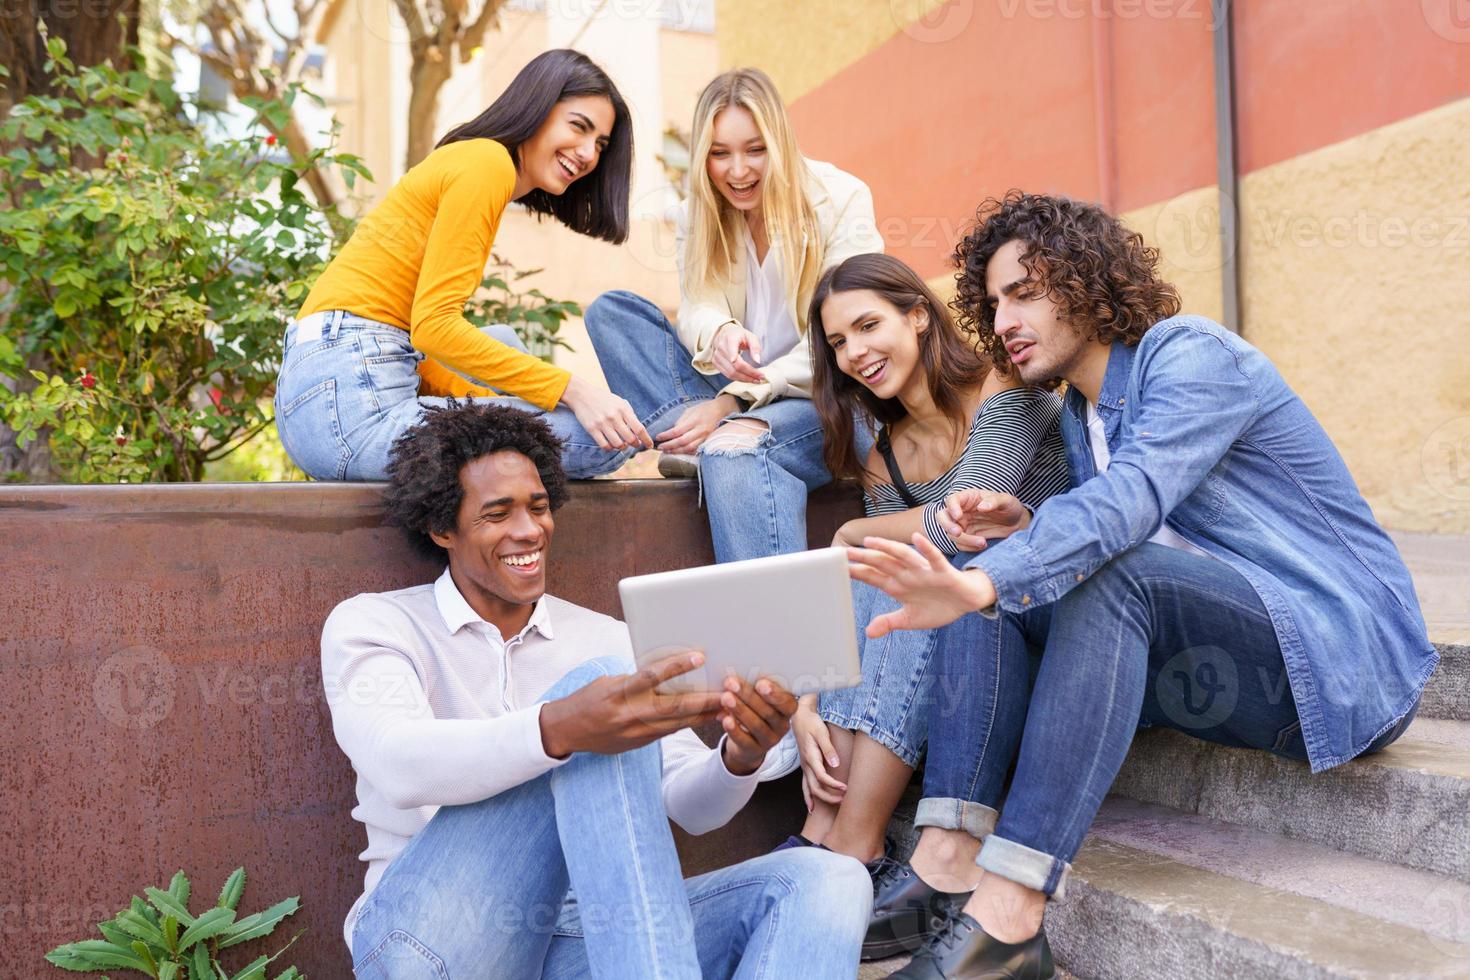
[
  {"x": 1413, "y": 795},
  {"x": 1130, "y": 913},
  {"x": 1447, "y": 695}
]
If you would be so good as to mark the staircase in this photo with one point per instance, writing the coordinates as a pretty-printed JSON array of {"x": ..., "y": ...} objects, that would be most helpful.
[{"x": 1211, "y": 862}]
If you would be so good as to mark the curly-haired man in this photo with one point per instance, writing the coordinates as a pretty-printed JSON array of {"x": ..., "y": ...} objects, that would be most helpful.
[
  {"x": 506, "y": 756},
  {"x": 1213, "y": 570}
]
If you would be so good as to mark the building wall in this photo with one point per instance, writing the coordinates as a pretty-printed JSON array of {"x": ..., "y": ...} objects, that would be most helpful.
[{"x": 1353, "y": 138}]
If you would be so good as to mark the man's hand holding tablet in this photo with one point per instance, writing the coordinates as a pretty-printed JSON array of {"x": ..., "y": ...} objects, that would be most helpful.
[
  {"x": 615, "y": 714},
  {"x": 755, "y": 718}
]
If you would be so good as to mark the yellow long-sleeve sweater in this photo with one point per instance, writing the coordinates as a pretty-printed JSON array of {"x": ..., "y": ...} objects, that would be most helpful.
[{"x": 420, "y": 254}]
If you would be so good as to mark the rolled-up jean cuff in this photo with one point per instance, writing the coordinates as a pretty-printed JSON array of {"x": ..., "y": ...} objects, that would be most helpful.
[
  {"x": 1025, "y": 866},
  {"x": 907, "y": 754},
  {"x": 975, "y": 819}
]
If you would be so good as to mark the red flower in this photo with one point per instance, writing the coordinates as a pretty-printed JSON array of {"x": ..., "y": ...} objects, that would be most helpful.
[
  {"x": 89, "y": 380},
  {"x": 270, "y": 139},
  {"x": 122, "y": 440}
]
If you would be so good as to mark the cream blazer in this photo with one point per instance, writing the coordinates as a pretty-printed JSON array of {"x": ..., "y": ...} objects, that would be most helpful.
[{"x": 844, "y": 211}]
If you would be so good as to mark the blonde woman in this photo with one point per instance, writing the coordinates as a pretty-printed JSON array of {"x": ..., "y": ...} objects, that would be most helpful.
[{"x": 731, "y": 380}]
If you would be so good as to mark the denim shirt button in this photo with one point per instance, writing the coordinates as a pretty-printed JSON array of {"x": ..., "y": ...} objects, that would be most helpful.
[
  {"x": 1080, "y": 576},
  {"x": 1025, "y": 600}
]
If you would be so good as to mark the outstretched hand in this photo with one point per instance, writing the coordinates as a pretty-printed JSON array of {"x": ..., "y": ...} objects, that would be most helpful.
[
  {"x": 971, "y": 516},
  {"x": 933, "y": 592},
  {"x": 615, "y": 714}
]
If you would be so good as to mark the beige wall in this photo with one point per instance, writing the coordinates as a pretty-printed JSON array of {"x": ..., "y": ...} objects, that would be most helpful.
[
  {"x": 1355, "y": 272},
  {"x": 1356, "y": 261}
]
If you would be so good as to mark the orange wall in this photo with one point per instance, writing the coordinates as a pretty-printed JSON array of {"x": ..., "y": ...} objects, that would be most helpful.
[{"x": 1039, "y": 94}]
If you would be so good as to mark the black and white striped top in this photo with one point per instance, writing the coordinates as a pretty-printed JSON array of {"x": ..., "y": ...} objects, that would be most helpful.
[{"x": 1015, "y": 447}]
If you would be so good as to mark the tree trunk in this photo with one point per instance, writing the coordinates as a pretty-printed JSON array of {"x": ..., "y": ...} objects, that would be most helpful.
[
  {"x": 426, "y": 81},
  {"x": 94, "y": 32}
]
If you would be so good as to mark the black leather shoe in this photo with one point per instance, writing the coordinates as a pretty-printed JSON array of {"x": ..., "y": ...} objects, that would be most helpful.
[
  {"x": 905, "y": 910},
  {"x": 960, "y": 950}
]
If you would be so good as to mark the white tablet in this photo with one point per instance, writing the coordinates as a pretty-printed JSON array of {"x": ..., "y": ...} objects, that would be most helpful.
[{"x": 788, "y": 617}]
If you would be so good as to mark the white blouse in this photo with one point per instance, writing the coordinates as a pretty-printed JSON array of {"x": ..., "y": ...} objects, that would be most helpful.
[{"x": 767, "y": 314}]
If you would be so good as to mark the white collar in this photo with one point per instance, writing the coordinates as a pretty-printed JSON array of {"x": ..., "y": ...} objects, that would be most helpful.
[{"x": 457, "y": 613}]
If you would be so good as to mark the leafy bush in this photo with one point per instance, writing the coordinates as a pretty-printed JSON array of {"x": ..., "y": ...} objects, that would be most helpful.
[
  {"x": 536, "y": 317},
  {"x": 150, "y": 267},
  {"x": 145, "y": 936}
]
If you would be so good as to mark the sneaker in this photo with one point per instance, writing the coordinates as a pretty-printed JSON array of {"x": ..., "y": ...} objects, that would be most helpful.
[
  {"x": 678, "y": 466},
  {"x": 797, "y": 840}
]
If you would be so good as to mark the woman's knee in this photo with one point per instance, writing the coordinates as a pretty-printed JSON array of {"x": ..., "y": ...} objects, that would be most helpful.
[
  {"x": 736, "y": 437},
  {"x": 618, "y": 304}
]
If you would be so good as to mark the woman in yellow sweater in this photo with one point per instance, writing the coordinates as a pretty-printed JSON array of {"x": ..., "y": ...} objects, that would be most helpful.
[{"x": 383, "y": 332}]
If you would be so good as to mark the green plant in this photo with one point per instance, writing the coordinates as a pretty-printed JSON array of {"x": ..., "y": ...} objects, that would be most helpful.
[
  {"x": 146, "y": 936},
  {"x": 537, "y": 318},
  {"x": 151, "y": 266}
]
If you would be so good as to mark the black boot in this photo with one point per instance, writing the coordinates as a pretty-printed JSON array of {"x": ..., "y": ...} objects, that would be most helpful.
[
  {"x": 905, "y": 910},
  {"x": 960, "y": 950}
]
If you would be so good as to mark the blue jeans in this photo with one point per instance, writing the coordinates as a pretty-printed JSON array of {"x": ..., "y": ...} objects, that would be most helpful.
[
  {"x": 1157, "y": 636},
  {"x": 483, "y": 889},
  {"x": 893, "y": 704},
  {"x": 756, "y": 497},
  {"x": 345, "y": 397}
]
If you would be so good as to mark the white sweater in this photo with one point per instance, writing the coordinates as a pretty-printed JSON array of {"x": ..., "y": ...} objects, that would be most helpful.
[{"x": 433, "y": 707}]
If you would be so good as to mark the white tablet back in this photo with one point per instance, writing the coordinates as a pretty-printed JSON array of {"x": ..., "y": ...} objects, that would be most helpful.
[{"x": 788, "y": 617}]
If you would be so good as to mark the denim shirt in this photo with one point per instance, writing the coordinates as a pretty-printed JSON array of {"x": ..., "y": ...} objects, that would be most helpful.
[{"x": 1206, "y": 435}]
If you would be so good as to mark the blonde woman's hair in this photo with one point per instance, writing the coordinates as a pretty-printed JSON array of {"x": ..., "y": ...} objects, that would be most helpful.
[{"x": 715, "y": 231}]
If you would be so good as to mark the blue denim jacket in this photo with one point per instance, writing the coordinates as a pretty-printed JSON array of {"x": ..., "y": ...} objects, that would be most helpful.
[{"x": 1206, "y": 435}]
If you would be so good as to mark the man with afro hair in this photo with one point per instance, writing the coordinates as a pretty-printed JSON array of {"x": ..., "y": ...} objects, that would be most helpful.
[{"x": 508, "y": 756}]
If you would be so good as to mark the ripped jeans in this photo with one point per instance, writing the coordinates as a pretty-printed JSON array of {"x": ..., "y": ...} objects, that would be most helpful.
[{"x": 756, "y": 484}]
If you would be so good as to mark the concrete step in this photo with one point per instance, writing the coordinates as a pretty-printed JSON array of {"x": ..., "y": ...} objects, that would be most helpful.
[
  {"x": 1158, "y": 893},
  {"x": 1407, "y": 805},
  {"x": 1447, "y": 695}
]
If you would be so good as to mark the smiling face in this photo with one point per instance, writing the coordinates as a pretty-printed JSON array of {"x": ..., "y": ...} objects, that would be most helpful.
[
  {"x": 567, "y": 145},
  {"x": 737, "y": 158},
  {"x": 874, "y": 342},
  {"x": 498, "y": 548},
  {"x": 1039, "y": 344}
]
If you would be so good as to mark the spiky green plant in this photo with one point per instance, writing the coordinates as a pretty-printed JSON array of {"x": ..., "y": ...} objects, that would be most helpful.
[{"x": 146, "y": 936}]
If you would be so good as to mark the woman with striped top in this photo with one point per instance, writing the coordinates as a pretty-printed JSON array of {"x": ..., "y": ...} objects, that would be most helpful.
[{"x": 946, "y": 419}]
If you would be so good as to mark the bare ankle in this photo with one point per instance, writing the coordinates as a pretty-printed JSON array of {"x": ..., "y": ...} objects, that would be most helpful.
[
  {"x": 945, "y": 859},
  {"x": 862, "y": 847},
  {"x": 1007, "y": 911}
]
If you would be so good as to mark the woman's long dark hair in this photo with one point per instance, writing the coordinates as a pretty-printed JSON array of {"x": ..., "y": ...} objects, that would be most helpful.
[
  {"x": 951, "y": 365},
  {"x": 595, "y": 205}
]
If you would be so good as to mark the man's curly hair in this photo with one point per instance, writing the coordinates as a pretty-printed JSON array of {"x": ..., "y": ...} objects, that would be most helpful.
[
  {"x": 1102, "y": 277},
  {"x": 424, "y": 490}
]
